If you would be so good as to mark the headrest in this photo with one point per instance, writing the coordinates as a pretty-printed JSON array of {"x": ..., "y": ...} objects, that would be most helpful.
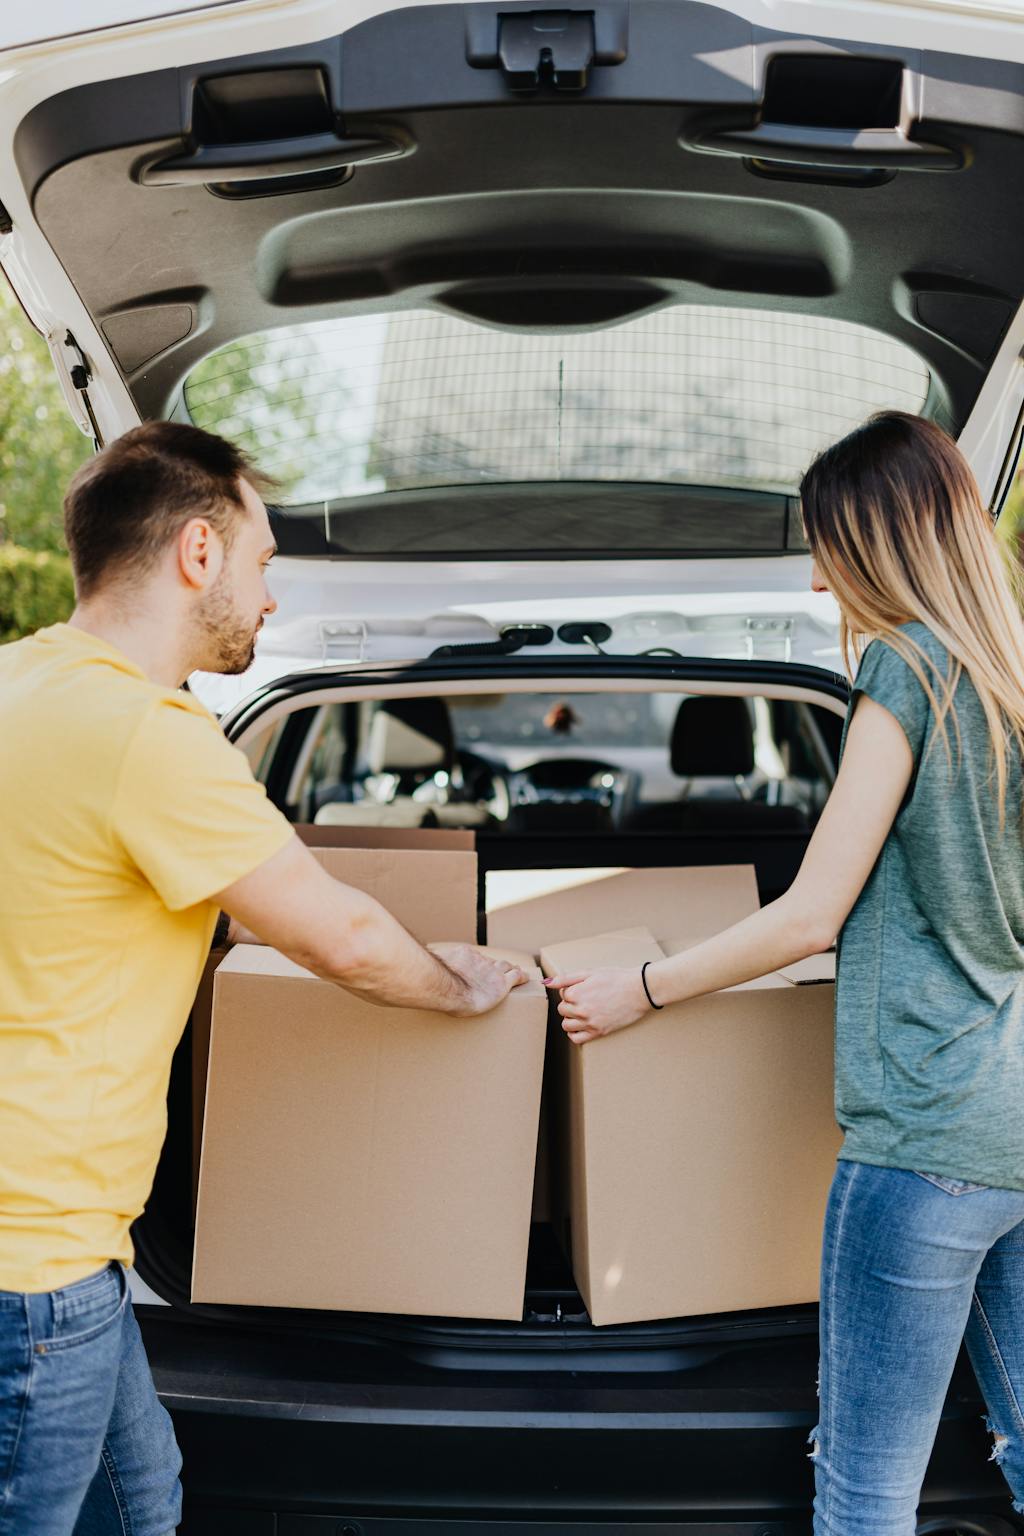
[
  {"x": 411, "y": 734},
  {"x": 713, "y": 738}
]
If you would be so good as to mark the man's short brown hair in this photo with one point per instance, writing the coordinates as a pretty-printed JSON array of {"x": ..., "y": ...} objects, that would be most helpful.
[{"x": 126, "y": 505}]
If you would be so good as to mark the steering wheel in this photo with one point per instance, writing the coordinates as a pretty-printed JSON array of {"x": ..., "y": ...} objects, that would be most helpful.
[
  {"x": 570, "y": 773},
  {"x": 485, "y": 782},
  {"x": 585, "y": 793}
]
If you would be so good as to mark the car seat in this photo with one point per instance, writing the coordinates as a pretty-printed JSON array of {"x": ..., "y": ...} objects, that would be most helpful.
[
  {"x": 712, "y": 750},
  {"x": 412, "y": 773}
]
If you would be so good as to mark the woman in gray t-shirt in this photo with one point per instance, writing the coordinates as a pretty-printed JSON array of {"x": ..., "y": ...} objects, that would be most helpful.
[{"x": 917, "y": 866}]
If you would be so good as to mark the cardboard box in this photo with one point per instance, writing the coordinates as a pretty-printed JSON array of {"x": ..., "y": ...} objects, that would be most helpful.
[
  {"x": 699, "y": 901},
  {"x": 542, "y": 1201},
  {"x": 432, "y": 893},
  {"x": 430, "y": 888},
  {"x": 699, "y": 1144},
  {"x": 202, "y": 1010},
  {"x": 365, "y": 1158}
]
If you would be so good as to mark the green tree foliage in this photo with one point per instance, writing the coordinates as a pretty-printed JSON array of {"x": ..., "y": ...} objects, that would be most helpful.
[
  {"x": 35, "y": 589},
  {"x": 1011, "y": 520},
  {"x": 274, "y": 396},
  {"x": 40, "y": 445},
  {"x": 40, "y": 449}
]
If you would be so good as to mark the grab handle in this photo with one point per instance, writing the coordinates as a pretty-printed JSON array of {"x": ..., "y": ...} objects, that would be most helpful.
[
  {"x": 263, "y": 161},
  {"x": 881, "y": 148}
]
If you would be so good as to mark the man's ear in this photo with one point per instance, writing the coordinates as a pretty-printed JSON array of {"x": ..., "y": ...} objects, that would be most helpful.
[{"x": 200, "y": 552}]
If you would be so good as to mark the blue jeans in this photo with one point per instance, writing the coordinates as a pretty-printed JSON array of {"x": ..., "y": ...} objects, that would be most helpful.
[
  {"x": 912, "y": 1264},
  {"x": 86, "y": 1449}
]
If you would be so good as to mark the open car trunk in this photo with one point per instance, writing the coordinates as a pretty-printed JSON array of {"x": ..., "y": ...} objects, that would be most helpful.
[{"x": 557, "y": 832}]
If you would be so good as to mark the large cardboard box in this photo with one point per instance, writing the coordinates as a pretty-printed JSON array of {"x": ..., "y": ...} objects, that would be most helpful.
[
  {"x": 432, "y": 893},
  {"x": 698, "y": 1144},
  {"x": 364, "y": 1158},
  {"x": 202, "y": 1010},
  {"x": 573, "y": 904},
  {"x": 429, "y": 886}
]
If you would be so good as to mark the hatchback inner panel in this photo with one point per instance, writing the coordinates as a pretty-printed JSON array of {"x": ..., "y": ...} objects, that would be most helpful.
[{"x": 644, "y": 156}]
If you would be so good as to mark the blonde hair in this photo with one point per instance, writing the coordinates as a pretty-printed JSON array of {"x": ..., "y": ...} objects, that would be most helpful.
[{"x": 896, "y": 524}]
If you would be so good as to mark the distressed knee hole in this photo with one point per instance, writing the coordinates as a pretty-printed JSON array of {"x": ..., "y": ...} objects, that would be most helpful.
[
  {"x": 999, "y": 1443},
  {"x": 814, "y": 1443}
]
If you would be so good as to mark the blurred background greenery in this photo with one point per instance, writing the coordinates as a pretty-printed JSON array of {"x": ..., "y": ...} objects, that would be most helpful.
[
  {"x": 40, "y": 449},
  {"x": 1011, "y": 522}
]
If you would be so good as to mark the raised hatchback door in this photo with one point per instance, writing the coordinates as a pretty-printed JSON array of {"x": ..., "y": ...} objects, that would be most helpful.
[{"x": 654, "y": 217}]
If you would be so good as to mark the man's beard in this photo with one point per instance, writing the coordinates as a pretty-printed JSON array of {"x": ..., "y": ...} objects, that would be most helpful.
[{"x": 230, "y": 640}]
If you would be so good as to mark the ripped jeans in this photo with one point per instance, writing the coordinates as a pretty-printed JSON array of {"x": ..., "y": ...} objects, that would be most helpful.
[{"x": 912, "y": 1263}]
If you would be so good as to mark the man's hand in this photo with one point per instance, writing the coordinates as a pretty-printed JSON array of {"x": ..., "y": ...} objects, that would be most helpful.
[
  {"x": 344, "y": 936},
  {"x": 486, "y": 982},
  {"x": 597, "y": 1002}
]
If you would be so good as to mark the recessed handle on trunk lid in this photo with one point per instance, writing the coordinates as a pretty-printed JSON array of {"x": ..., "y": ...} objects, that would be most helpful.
[
  {"x": 263, "y": 161},
  {"x": 797, "y": 144}
]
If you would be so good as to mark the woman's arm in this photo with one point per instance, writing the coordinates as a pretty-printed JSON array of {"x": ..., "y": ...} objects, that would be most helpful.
[{"x": 869, "y": 789}]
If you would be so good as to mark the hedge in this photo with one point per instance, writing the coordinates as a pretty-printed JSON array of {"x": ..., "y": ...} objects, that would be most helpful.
[{"x": 35, "y": 589}]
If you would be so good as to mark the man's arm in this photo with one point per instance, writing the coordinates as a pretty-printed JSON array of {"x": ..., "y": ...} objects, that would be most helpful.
[
  {"x": 230, "y": 931},
  {"x": 344, "y": 936}
]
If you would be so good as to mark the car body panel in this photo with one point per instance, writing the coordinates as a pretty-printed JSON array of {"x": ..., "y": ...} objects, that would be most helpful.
[
  {"x": 307, "y": 1429},
  {"x": 330, "y": 612}
]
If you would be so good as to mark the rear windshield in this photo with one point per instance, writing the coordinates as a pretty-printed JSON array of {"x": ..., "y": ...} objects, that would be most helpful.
[{"x": 696, "y": 395}]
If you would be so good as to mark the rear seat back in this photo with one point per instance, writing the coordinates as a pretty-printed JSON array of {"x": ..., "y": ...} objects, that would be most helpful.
[{"x": 712, "y": 751}]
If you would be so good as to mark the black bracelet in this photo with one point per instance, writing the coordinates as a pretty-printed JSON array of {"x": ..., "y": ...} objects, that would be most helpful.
[{"x": 643, "y": 980}]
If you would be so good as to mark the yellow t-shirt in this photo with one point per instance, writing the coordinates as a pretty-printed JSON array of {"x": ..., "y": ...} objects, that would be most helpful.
[{"x": 124, "y": 810}]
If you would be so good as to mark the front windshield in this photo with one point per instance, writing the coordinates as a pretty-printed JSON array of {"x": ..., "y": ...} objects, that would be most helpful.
[{"x": 692, "y": 394}]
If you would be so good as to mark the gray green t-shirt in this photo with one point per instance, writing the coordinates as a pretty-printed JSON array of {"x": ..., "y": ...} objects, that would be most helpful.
[{"x": 930, "y": 981}]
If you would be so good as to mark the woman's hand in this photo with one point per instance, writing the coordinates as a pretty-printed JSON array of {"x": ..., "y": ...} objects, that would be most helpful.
[{"x": 597, "y": 1002}]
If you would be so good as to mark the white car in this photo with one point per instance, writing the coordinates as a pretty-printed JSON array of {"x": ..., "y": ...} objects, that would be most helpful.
[{"x": 538, "y": 316}]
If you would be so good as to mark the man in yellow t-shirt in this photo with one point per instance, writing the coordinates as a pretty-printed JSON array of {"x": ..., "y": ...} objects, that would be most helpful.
[{"x": 130, "y": 824}]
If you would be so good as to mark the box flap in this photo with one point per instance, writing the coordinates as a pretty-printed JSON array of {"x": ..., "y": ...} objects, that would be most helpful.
[
  {"x": 430, "y": 892},
  {"x": 815, "y": 968},
  {"x": 699, "y": 901},
  {"x": 631, "y": 946},
  {"x": 625, "y": 946},
  {"x": 525, "y": 962},
  {"x": 422, "y": 838},
  {"x": 261, "y": 960},
  {"x": 512, "y": 887}
]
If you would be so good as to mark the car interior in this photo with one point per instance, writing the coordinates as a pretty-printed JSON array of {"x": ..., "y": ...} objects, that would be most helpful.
[
  {"x": 543, "y": 779},
  {"x": 598, "y": 764}
]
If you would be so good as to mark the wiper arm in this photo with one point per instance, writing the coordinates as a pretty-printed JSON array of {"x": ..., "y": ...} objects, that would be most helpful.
[{"x": 513, "y": 638}]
